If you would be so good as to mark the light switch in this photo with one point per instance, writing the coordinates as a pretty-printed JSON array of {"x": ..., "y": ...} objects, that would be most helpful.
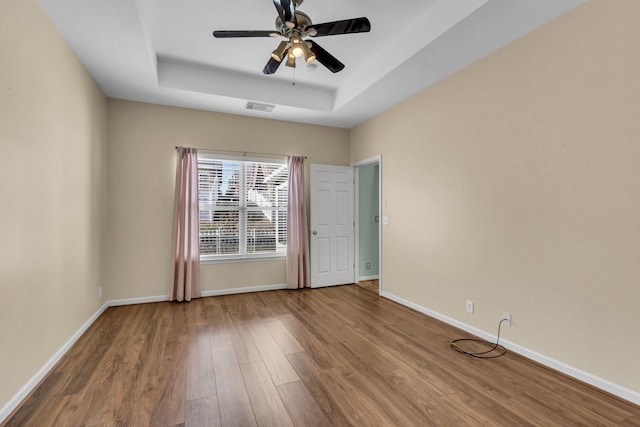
[{"x": 385, "y": 220}]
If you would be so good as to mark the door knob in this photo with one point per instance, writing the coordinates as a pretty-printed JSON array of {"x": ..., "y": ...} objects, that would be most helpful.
[{"x": 314, "y": 233}]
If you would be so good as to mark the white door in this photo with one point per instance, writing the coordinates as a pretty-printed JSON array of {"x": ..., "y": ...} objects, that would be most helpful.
[{"x": 332, "y": 225}]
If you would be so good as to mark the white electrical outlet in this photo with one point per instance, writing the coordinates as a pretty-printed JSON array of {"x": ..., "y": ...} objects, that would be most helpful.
[
  {"x": 506, "y": 316},
  {"x": 469, "y": 306},
  {"x": 99, "y": 291}
]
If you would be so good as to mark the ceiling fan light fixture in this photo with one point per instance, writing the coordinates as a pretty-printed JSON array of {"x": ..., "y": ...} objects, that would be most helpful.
[
  {"x": 291, "y": 60},
  {"x": 297, "y": 47},
  {"x": 309, "y": 56},
  {"x": 280, "y": 51}
]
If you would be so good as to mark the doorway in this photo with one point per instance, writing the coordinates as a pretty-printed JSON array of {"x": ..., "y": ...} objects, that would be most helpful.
[
  {"x": 345, "y": 224},
  {"x": 368, "y": 223}
]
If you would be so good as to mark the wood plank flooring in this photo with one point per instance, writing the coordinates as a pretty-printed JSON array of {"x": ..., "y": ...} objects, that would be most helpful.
[
  {"x": 337, "y": 356},
  {"x": 370, "y": 285}
]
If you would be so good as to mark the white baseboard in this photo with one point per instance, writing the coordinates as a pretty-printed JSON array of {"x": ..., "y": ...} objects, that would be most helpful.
[
  {"x": 361, "y": 278},
  {"x": 141, "y": 300},
  {"x": 15, "y": 401},
  {"x": 608, "y": 386},
  {"x": 231, "y": 291},
  {"x": 210, "y": 293}
]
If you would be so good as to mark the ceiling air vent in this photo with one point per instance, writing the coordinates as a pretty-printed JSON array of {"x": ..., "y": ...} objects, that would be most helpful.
[{"x": 267, "y": 108}]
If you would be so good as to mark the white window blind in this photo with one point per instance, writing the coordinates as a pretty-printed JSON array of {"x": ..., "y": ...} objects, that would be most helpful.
[{"x": 243, "y": 208}]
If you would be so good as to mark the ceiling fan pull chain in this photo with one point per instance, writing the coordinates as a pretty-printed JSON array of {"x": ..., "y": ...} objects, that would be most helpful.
[{"x": 293, "y": 83}]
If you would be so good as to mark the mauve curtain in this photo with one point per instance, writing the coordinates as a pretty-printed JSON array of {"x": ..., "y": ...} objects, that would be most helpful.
[
  {"x": 185, "y": 265},
  {"x": 297, "y": 232}
]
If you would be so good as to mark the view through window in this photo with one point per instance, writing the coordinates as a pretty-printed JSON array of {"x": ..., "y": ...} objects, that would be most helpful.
[{"x": 243, "y": 207}]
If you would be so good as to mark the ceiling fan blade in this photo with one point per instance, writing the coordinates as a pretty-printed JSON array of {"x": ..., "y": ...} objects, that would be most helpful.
[
  {"x": 346, "y": 26},
  {"x": 325, "y": 58},
  {"x": 286, "y": 10},
  {"x": 232, "y": 34},
  {"x": 272, "y": 66}
]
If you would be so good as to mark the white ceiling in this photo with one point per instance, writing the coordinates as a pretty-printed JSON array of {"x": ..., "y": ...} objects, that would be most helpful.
[{"x": 163, "y": 51}]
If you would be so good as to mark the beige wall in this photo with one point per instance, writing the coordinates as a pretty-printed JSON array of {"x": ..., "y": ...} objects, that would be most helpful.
[
  {"x": 142, "y": 138},
  {"x": 52, "y": 187},
  {"x": 514, "y": 183}
]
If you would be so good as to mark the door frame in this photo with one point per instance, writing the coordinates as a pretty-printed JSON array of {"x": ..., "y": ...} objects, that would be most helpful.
[{"x": 371, "y": 160}]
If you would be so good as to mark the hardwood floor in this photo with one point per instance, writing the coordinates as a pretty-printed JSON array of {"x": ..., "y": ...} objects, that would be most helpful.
[
  {"x": 370, "y": 285},
  {"x": 337, "y": 356}
]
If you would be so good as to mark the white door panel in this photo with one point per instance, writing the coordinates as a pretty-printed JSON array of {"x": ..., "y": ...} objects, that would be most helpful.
[{"x": 332, "y": 225}]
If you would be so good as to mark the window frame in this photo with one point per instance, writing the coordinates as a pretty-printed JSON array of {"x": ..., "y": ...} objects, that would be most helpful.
[{"x": 243, "y": 211}]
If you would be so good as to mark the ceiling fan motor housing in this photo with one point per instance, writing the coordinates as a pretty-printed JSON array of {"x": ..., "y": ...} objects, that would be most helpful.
[{"x": 302, "y": 20}]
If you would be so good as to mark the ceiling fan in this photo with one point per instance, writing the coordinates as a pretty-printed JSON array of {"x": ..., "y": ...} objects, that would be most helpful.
[{"x": 294, "y": 26}]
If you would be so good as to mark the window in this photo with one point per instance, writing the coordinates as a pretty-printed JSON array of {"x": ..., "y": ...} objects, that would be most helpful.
[{"x": 243, "y": 208}]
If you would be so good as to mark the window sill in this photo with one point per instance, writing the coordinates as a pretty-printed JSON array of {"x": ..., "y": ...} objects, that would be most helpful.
[{"x": 228, "y": 259}]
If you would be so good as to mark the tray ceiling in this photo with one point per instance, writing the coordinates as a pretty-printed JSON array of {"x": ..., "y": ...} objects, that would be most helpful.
[{"x": 163, "y": 52}]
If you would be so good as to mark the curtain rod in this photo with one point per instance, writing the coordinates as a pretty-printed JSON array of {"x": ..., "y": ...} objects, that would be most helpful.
[{"x": 240, "y": 152}]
